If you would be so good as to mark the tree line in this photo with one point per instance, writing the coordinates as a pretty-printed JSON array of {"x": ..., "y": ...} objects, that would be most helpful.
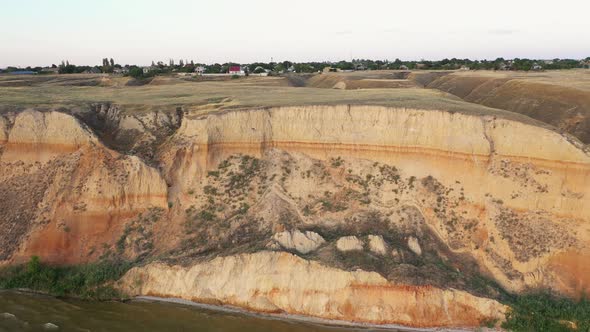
[{"x": 160, "y": 67}]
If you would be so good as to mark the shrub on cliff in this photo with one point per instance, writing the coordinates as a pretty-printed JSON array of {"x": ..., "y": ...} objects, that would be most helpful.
[{"x": 89, "y": 281}]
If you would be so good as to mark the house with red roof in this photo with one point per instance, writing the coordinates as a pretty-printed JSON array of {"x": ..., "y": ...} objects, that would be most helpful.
[{"x": 237, "y": 70}]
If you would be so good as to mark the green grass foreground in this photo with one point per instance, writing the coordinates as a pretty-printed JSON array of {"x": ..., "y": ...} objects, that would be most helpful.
[
  {"x": 544, "y": 312},
  {"x": 89, "y": 281}
]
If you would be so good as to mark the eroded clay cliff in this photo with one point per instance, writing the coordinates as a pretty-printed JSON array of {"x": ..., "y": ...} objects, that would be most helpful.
[
  {"x": 512, "y": 195},
  {"x": 437, "y": 203},
  {"x": 284, "y": 283},
  {"x": 63, "y": 194}
]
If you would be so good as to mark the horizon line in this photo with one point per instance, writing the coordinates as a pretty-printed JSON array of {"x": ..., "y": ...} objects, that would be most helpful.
[{"x": 166, "y": 62}]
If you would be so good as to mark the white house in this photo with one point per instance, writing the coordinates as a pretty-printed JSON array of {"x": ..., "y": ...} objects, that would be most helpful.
[
  {"x": 122, "y": 70},
  {"x": 259, "y": 71},
  {"x": 199, "y": 70},
  {"x": 148, "y": 69}
]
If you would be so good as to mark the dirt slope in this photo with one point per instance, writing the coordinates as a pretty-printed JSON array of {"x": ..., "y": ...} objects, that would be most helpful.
[
  {"x": 62, "y": 193},
  {"x": 565, "y": 107},
  {"x": 353, "y": 81}
]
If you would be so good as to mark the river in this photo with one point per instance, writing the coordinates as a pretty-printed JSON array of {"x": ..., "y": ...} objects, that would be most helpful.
[{"x": 30, "y": 312}]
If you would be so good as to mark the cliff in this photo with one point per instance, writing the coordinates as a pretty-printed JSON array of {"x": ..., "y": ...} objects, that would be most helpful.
[
  {"x": 284, "y": 283},
  {"x": 63, "y": 194},
  {"x": 557, "y": 103},
  {"x": 431, "y": 204},
  {"x": 516, "y": 188}
]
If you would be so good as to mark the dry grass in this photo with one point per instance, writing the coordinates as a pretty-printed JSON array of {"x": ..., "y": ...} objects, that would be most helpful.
[
  {"x": 575, "y": 78},
  {"x": 559, "y": 98},
  {"x": 201, "y": 97},
  {"x": 349, "y": 81},
  {"x": 198, "y": 96}
]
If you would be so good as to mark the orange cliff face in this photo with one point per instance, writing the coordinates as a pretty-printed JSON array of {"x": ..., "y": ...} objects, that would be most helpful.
[
  {"x": 526, "y": 188},
  {"x": 64, "y": 193},
  {"x": 284, "y": 283},
  {"x": 447, "y": 196}
]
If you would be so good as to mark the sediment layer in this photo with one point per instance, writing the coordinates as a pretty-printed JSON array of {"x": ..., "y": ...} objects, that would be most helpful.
[
  {"x": 501, "y": 166},
  {"x": 450, "y": 195},
  {"x": 63, "y": 193},
  {"x": 284, "y": 283}
]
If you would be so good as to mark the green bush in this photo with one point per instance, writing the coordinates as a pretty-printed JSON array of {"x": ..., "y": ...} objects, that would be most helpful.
[
  {"x": 89, "y": 281},
  {"x": 544, "y": 312},
  {"x": 206, "y": 215}
]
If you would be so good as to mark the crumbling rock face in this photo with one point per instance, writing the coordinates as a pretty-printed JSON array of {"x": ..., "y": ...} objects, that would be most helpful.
[
  {"x": 414, "y": 245},
  {"x": 63, "y": 193},
  {"x": 130, "y": 132},
  {"x": 435, "y": 199},
  {"x": 377, "y": 244},
  {"x": 301, "y": 242},
  {"x": 50, "y": 128},
  {"x": 19, "y": 198},
  {"x": 284, "y": 283},
  {"x": 349, "y": 243},
  {"x": 447, "y": 169},
  {"x": 39, "y": 136}
]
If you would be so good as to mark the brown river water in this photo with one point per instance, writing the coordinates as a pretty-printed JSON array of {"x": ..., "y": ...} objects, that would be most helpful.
[{"x": 30, "y": 312}]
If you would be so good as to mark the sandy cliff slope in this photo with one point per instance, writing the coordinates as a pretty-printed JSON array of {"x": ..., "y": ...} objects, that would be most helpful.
[
  {"x": 285, "y": 283},
  {"x": 409, "y": 213},
  {"x": 63, "y": 194},
  {"x": 512, "y": 195}
]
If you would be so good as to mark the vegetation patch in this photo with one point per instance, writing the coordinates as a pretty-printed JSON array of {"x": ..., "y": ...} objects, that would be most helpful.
[
  {"x": 88, "y": 281},
  {"x": 544, "y": 312},
  {"x": 220, "y": 221},
  {"x": 137, "y": 238},
  {"x": 532, "y": 234}
]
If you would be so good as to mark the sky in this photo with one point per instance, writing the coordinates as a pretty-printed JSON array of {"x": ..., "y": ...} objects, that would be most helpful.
[{"x": 43, "y": 32}]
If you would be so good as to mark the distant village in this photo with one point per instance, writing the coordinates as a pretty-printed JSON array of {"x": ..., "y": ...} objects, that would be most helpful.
[{"x": 190, "y": 68}]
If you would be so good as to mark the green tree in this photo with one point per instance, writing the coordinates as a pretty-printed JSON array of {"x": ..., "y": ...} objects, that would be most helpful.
[
  {"x": 136, "y": 72},
  {"x": 279, "y": 68},
  {"x": 213, "y": 69}
]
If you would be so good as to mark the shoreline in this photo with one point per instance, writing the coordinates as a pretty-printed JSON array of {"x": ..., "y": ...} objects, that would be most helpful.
[
  {"x": 298, "y": 318},
  {"x": 270, "y": 316}
]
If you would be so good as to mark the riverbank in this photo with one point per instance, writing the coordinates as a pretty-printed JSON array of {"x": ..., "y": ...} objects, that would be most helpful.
[
  {"x": 243, "y": 312},
  {"x": 25, "y": 311},
  {"x": 299, "y": 318}
]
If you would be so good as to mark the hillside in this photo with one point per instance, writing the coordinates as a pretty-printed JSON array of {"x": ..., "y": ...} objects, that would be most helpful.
[{"x": 560, "y": 99}]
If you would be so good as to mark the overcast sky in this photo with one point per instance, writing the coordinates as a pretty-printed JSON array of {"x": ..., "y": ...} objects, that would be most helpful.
[{"x": 42, "y": 32}]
